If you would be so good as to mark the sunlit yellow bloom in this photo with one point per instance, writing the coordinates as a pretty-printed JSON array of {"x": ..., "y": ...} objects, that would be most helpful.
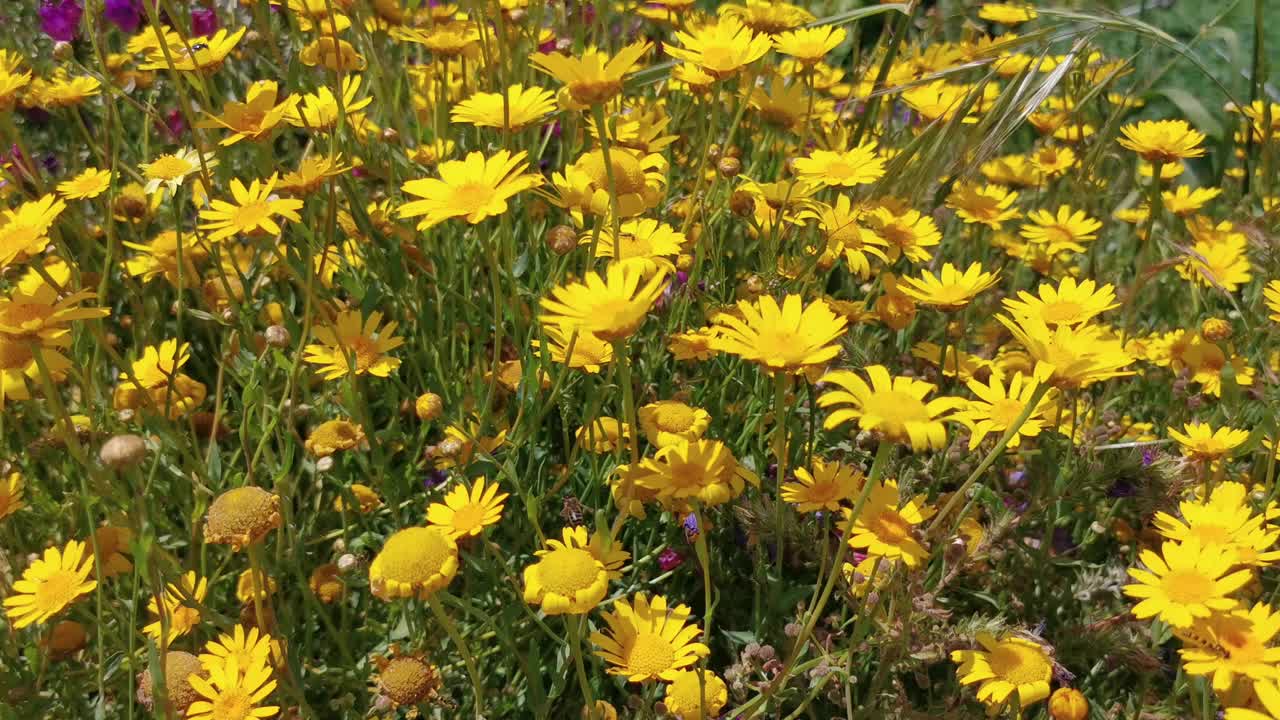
[
  {"x": 894, "y": 407},
  {"x": 611, "y": 307},
  {"x": 197, "y": 54},
  {"x": 667, "y": 422},
  {"x": 466, "y": 512},
  {"x": 858, "y": 166},
  {"x": 951, "y": 289},
  {"x": 1162, "y": 141},
  {"x": 256, "y": 117},
  {"x": 474, "y": 189},
  {"x": 1183, "y": 583},
  {"x": 89, "y": 184},
  {"x": 252, "y": 213},
  {"x": 352, "y": 345},
  {"x": 1070, "y": 303},
  {"x": 988, "y": 205},
  {"x": 999, "y": 406},
  {"x": 1010, "y": 666},
  {"x": 181, "y": 612},
  {"x": 721, "y": 48},
  {"x": 594, "y": 78},
  {"x": 825, "y": 488},
  {"x": 647, "y": 640},
  {"x": 809, "y": 45},
  {"x": 50, "y": 584},
  {"x": 885, "y": 526},
  {"x": 24, "y": 231},
  {"x": 1202, "y": 442},
  {"x": 519, "y": 108}
]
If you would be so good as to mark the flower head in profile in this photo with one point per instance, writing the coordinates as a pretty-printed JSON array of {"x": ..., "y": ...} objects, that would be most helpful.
[
  {"x": 206, "y": 55},
  {"x": 24, "y": 231},
  {"x": 809, "y": 45},
  {"x": 414, "y": 562},
  {"x": 474, "y": 189},
  {"x": 466, "y": 512},
  {"x": 1072, "y": 302},
  {"x": 767, "y": 16},
  {"x": 169, "y": 170},
  {"x": 354, "y": 345},
  {"x": 786, "y": 338},
  {"x": 951, "y": 289},
  {"x": 252, "y": 213},
  {"x": 568, "y": 577},
  {"x": 894, "y": 407},
  {"x": 1162, "y": 141},
  {"x": 648, "y": 640},
  {"x": 667, "y": 422},
  {"x": 257, "y": 117},
  {"x": 701, "y": 471},
  {"x": 1202, "y": 441},
  {"x": 181, "y": 612},
  {"x": 1222, "y": 265},
  {"x": 856, "y": 166},
  {"x": 1072, "y": 356},
  {"x": 89, "y": 184},
  {"x": 1007, "y": 13},
  {"x": 1009, "y": 666},
  {"x": 826, "y": 487},
  {"x": 11, "y": 494},
  {"x": 333, "y": 436},
  {"x": 720, "y": 48},
  {"x": 519, "y": 108},
  {"x": 50, "y": 584},
  {"x": 1184, "y": 583},
  {"x": 595, "y": 78},
  {"x": 610, "y": 307},
  {"x": 989, "y": 205}
]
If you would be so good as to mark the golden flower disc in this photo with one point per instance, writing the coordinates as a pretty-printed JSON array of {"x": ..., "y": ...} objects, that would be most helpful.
[
  {"x": 415, "y": 561},
  {"x": 242, "y": 516},
  {"x": 178, "y": 666},
  {"x": 408, "y": 680}
]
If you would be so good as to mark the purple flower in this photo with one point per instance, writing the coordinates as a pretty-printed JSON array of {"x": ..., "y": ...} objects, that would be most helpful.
[
  {"x": 434, "y": 478},
  {"x": 669, "y": 560},
  {"x": 691, "y": 528},
  {"x": 60, "y": 19},
  {"x": 51, "y": 164},
  {"x": 548, "y": 46},
  {"x": 1148, "y": 457},
  {"x": 203, "y": 21},
  {"x": 124, "y": 14},
  {"x": 174, "y": 125}
]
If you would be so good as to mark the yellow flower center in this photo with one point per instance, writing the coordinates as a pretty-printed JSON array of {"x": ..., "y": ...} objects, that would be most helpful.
[
  {"x": 473, "y": 196},
  {"x": 169, "y": 167},
  {"x": 1211, "y": 534},
  {"x": 1057, "y": 234},
  {"x": 18, "y": 314},
  {"x": 568, "y": 571},
  {"x": 674, "y": 417},
  {"x": 1241, "y": 646},
  {"x": 628, "y": 176},
  {"x": 57, "y": 591},
  {"x": 20, "y": 237},
  {"x": 1187, "y": 587},
  {"x": 365, "y": 351},
  {"x": 898, "y": 235},
  {"x": 232, "y": 704},
  {"x": 650, "y": 655},
  {"x": 415, "y": 555},
  {"x": 686, "y": 475},
  {"x": 1019, "y": 664},
  {"x": 1005, "y": 412},
  {"x": 14, "y": 356},
  {"x": 897, "y": 408},
  {"x": 1062, "y": 311},
  {"x": 890, "y": 527},
  {"x": 468, "y": 519},
  {"x": 250, "y": 216}
]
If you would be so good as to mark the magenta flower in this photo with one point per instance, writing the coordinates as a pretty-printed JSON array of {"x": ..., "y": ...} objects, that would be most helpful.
[
  {"x": 124, "y": 14},
  {"x": 60, "y": 19}
]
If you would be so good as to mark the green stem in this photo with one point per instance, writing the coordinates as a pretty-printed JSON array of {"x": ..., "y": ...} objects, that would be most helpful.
[{"x": 477, "y": 686}]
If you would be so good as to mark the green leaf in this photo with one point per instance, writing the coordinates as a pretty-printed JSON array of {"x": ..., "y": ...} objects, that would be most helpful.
[{"x": 857, "y": 14}]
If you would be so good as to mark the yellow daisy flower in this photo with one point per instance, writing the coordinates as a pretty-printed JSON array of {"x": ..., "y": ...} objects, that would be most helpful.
[
  {"x": 90, "y": 183},
  {"x": 475, "y": 188},
  {"x": 233, "y": 692},
  {"x": 1070, "y": 303},
  {"x": 467, "y": 512},
  {"x": 11, "y": 494},
  {"x": 696, "y": 695},
  {"x": 253, "y": 212},
  {"x": 809, "y": 45},
  {"x": 354, "y": 346},
  {"x": 50, "y": 584},
  {"x": 611, "y": 308},
  {"x": 647, "y": 640},
  {"x": 567, "y": 578},
  {"x": 519, "y": 108},
  {"x": 951, "y": 289},
  {"x": 885, "y": 527},
  {"x": 1183, "y": 583},
  {"x": 721, "y": 48},
  {"x": 999, "y": 406},
  {"x": 894, "y": 407},
  {"x": 595, "y": 78},
  {"x": 667, "y": 422},
  {"x": 789, "y": 338},
  {"x": 702, "y": 471},
  {"x": 1009, "y": 666},
  {"x": 1202, "y": 441},
  {"x": 181, "y": 612},
  {"x": 988, "y": 205},
  {"x": 1162, "y": 141},
  {"x": 414, "y": 562},
  {"x": 824, "y": 488}
]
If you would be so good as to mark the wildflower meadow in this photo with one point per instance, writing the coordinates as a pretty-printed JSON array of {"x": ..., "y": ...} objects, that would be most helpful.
[{"x": 564, "y": 360}]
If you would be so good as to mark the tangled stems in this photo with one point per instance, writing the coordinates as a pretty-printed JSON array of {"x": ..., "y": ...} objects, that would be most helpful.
[
  {"x": 1036, "y": 396},
  {"x": 477, "y": 687},
  {"x": 573, "y": 624},
  {"x": 780, "y": 457}
]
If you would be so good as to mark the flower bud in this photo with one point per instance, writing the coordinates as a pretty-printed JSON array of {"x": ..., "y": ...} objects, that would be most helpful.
[
  {"x": 428, "y": 406},
  {"x": 123, "y": 451},
  {"x": 347, "y": 563},
  {"x": 277, "y": 336},
  {"x": 1068, "y": 704},
  {"x": 742, "y": 204},
  {"x": 1216, "y": 330},
  {"x": 729, "y": 167},
  {"x": 562, "y": 239}
]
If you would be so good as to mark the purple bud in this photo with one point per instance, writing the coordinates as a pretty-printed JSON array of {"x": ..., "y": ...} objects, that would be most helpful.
[
  {"x": 691, "y": 528},
  {"x": 434, "y": 478},
  {"x": 124, "y": 14},
  {"x": 669, "y": 560},
  {"x": 51, "y": 164},
  {"x": 60, "y": 19},
  {"x": 1148, "y": 457},
  {"x": 174, "y": 124},
  {"x": 203, "y": 22}
]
